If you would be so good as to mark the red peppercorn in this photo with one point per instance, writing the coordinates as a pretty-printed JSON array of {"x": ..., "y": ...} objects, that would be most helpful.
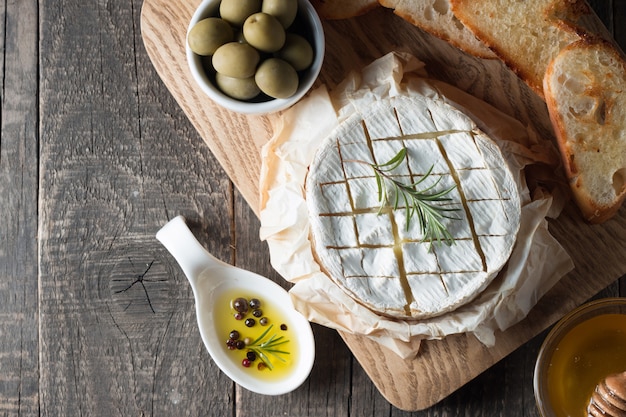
[{"x": 246, "y": 362}]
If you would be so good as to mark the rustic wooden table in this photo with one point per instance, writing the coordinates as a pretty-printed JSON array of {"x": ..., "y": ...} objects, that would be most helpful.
[{"x": 95, "y": 318}]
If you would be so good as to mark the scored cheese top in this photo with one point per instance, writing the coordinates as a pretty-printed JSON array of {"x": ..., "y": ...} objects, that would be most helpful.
[{"x": 375, "y": 257}]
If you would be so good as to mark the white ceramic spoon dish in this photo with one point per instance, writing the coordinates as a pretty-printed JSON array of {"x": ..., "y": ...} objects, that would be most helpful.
[{"x": 210, "y": 278}]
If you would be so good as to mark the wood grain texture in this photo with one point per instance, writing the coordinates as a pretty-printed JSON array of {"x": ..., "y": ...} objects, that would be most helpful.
[
  {"x": 442, "y": 366},
  {"x": 118, "y": 334},
  {"x": 19, "y": 338}
]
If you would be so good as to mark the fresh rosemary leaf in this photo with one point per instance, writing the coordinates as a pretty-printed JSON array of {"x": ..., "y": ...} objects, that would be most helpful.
[
  {"x": 269, "y": 347},
  {"x": 394, "y": 162},
  {"x": 425, "y": 204}
]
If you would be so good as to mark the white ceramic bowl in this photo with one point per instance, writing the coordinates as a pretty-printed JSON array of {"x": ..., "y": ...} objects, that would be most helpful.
[
  {"x": 308, "y": 25},
  {"x": 210, "y": 279}
]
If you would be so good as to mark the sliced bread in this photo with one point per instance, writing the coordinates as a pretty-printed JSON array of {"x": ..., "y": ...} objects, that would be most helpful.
[
  {"x": 432, "y": 16},
  {"x": 585, "y": 90},
  {"x": 436, "y": 18},
  {"x": 526, "y": 35}
]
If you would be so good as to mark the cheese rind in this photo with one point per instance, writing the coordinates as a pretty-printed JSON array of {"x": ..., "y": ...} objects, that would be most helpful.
[{"x": 374, "y": 255}]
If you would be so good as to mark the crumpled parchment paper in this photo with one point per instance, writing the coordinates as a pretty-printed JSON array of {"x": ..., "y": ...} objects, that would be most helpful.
[{"x": 537, "y": 262}]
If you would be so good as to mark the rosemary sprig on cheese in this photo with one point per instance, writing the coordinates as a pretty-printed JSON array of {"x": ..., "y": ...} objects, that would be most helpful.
[{"x": 422, "y": 203}]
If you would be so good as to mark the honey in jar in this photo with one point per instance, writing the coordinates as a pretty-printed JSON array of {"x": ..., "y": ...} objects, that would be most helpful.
[{"x": 590, "y": 351}]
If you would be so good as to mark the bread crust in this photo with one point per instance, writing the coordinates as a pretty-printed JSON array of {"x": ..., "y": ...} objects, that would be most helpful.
[
  {"x": 533, "y": 38},
  {"x": 572, "y": 127},
  {"x": 442, "y": 23},
  {"x": 561, "y": 21}
]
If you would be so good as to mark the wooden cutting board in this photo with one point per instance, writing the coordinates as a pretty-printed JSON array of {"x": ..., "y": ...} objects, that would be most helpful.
[{"x": 599, "y": 252}]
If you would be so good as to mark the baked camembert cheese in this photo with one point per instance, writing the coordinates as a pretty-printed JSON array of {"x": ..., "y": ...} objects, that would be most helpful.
[{"x": 372, "y": 254}]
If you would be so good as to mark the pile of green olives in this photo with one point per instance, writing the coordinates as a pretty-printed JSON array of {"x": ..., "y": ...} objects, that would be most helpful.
[{"x": 251, "y": 48}]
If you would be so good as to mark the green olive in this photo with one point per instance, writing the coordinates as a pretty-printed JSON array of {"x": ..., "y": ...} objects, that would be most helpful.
[
  {"x": 236, "y": 12},
  {"x": 236, "y": 59},
  {"x": 276, "y": 78},
  {"x": 238, "y": 88},
  {"x": 264, "y": 32},
  {"x": 297, "y": 51},
  {"x": 209, "y": 34},
  {"x": 283, "y": 10}
]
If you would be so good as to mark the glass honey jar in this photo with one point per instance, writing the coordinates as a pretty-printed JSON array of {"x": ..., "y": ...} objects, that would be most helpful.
[{"x": 582, "y": 349}]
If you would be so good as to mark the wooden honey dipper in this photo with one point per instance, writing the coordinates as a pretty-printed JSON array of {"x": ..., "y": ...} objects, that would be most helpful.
[{"x": 609, "y": 397}]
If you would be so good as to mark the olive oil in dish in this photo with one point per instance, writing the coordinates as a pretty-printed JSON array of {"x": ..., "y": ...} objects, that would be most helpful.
[
  {"x": 585, "y": 356},
  {"x": 215, "y": 284},
  {"x": 257, "y": 335}
]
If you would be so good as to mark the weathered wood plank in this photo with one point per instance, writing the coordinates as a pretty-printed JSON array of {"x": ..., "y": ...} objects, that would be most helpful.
[
  {"x": 619, "y": 14},
  {"x": 603, "y": 9},
  {"x": 19, "y": 376},
  {"x": 327, "y": 390},
  {"x": 118, "y": 333}
]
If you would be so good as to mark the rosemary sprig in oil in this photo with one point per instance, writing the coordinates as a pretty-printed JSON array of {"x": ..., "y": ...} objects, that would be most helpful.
[
  {"x": 269, "y": 348},
  {"x": 424, "y": 203}
]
